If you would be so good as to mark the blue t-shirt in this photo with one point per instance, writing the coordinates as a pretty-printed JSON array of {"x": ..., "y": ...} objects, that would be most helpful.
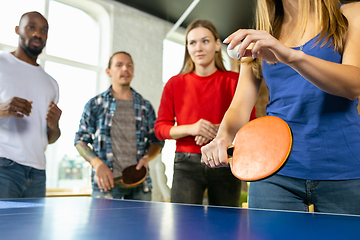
[{"x": 326, "y": 128}]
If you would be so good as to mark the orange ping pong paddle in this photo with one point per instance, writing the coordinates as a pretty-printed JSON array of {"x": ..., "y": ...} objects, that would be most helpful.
[{"x": 261, "y": 148}]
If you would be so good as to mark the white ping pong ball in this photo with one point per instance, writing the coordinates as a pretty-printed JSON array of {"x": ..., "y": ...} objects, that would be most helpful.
[{"x": 233, "y": 52}]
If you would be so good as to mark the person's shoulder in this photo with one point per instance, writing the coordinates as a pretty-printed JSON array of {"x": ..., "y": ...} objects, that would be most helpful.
[
  {"x": 143, "y": 101},
  {"x": 137, "y": 95},
  {"x": 232, "y": 74},
  {"x": 5, "y": 57},
  {"x": 3, "y": 54},
  {"x": 351, "y": 11},
  {"x": 229, "y": 74},
  {"x": 98, "y": 99},
  {"x": 50, "y": 78},
  {"x": 177, "y": 77},
  {"x": 175, "y": 81}
]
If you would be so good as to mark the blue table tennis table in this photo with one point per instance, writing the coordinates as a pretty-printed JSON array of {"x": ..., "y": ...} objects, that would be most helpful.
[{"x": 81, "y": 218}]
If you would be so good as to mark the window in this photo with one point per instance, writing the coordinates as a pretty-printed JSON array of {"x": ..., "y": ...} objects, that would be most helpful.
[
  {"x": 10, "y": 14},
  {"x": 173, "y": 58},
  {"x": 72, "y": 57}
]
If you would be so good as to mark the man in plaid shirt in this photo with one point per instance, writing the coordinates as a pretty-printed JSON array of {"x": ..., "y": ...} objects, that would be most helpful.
[{"x": 119, "y": 125}]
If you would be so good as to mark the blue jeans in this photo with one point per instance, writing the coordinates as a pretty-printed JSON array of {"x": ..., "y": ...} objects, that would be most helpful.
[
  {"x": 136, "y": 193},
  {"x": 19, "y": 181},
  {"x": 287, "y": 193},
  {"x": 191, "y": 178}
]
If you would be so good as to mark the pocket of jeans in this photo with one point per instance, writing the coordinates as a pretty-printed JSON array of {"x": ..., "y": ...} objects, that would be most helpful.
[
  {"x": 4, "y": 162},
  {"x": 180, "y": 157}
]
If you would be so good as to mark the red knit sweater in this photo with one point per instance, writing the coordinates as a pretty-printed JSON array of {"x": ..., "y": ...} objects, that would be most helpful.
[{"x": 188, "y": 98}]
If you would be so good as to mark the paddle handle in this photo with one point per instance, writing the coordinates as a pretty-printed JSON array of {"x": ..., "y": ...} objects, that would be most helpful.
[
  {"x": 229, "y": 151},
  {"x": 118, "y": 179}
]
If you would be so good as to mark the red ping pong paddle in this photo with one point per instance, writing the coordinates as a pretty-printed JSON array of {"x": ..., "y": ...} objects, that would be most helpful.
[
  {"x": 261, "y": 148},
  {"x": 131, "y": 176}
]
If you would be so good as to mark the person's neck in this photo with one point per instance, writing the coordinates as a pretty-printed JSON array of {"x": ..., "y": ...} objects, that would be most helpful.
[
  {"x": 292, "y": 33},
  {"x": 291, "y": 11},
  {"x": 205, "y": 71},
  {"x": 121, "y": 92},
  {"x": 23, "y": 56}
]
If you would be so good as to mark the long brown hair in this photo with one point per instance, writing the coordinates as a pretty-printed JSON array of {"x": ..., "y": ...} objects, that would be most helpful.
[
  {"x": 329, "y": 22},
  {"x": 188, "y": 65}
]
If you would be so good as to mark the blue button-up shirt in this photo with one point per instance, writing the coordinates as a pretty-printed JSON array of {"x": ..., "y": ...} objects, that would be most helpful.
[{"x": 95, "y": 125}]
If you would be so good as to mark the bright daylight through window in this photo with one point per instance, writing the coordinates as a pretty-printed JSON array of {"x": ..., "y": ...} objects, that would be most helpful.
[{"x": 66, "y": 58}]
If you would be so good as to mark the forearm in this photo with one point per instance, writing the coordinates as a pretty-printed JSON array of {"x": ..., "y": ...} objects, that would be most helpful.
[
  {"x": 238, "y": 114},
  {"x": 153, "y": 151},
  {"x": 334, "y": 78},
  {"x": 53, "y": 134},
  {"x": 232, "y": 122},
  {"x": 88, "y": 154},
  {"x": 181, "y": 131}
]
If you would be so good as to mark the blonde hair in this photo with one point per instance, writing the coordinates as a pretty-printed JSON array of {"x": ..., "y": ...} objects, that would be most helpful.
[
  {"x": 188, "y": 65},
  {"x": 329, "y": 22}
]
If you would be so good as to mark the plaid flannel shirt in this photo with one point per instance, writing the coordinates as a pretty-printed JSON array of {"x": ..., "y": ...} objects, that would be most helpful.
[{"x": 95, "y": 125}]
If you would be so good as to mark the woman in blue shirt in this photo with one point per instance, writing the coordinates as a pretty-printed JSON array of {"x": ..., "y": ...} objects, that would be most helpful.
[{"x": 307, "y": 52}]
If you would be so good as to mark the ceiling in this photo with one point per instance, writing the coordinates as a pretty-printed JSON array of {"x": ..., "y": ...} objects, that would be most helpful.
[{"x": 227, "y": 15}]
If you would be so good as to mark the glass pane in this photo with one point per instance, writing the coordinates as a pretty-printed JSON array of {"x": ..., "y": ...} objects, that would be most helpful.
[
  {"x": 65, "y": 167},
  {"x": 10, "y": 13},
  {"x": 173, "y": 58},
  {"x": 73, "y": 34}
]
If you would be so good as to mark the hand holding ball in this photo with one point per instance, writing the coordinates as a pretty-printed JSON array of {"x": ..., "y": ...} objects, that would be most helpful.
[{"x": 233, "y": 53}]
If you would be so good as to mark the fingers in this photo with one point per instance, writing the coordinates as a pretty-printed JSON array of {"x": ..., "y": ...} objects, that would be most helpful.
[
  {"x": 104, "y": 177},
  {"x": 214, "y": 154},
  {"x": 206, "y": 129},
  {"x": 106, "y": 182},
  {"x": 53, "y": 115},
  {"x": 54, "y": 111},
  {"x": 17, "y": 107},
  {"x": 200, "y": 140},
  {"x": 231, "y": 37},
  {"x": 247, "y": 37},
  {"x": 142, "y": 162}
]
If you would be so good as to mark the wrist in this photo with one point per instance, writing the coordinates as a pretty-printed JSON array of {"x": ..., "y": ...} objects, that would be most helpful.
[
  {"x": 146, "y": 158},
  {"x": 96, "y": 162},
  {"x": 224, "y": 140},
  {"x": 295, "y": 57}
]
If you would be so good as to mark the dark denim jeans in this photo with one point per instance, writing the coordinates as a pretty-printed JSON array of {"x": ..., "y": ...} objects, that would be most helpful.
[
  {"x": 19, "y": 181},
  {"x": 191, "y": 178},
  {"x": 287, "y": 193}
]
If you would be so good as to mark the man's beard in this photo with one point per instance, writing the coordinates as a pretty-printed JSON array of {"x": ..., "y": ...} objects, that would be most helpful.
[
  {"x": 125, "y": 84},
  {"x": 31, "y": 51}
]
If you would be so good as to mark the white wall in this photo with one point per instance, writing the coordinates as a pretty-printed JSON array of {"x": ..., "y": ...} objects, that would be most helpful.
[{"x": 142, "y": 36}]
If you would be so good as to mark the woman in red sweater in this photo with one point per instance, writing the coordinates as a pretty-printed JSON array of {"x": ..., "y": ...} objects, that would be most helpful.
[{"x": 192, "y": 106}]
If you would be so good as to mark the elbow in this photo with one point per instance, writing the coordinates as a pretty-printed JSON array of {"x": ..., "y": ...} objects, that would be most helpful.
[
  {"x": 159, "y": 136},
  {"x": 352, "y": 98},
  {"x": 162, "y": 131},
  {"x": 353, "y": 94}
]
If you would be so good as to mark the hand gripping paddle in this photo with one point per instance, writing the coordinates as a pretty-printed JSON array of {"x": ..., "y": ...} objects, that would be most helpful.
[
  {"x": 261, "y": 148},
  {"x": 131, "y": 177}
]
